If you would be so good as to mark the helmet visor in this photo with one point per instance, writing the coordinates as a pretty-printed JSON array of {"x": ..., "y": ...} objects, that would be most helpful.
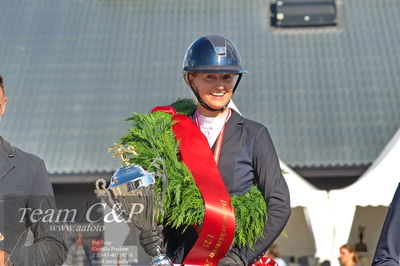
[{"x": 220, "y": 69}]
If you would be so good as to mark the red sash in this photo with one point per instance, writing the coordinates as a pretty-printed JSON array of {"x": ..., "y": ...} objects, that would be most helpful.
[{"x": 218, "y": 228}]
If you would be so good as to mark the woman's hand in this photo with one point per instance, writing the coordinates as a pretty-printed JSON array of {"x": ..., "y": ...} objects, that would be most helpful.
[
  {"x": 231, "y": 259},
  {"x": 151, "y": 240}
]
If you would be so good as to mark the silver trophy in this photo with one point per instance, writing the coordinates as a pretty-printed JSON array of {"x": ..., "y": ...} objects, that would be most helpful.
[{"x": 132, "y": 195}]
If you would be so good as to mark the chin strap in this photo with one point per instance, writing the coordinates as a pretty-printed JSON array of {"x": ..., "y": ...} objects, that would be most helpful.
[{"x": 200, "y": 100}]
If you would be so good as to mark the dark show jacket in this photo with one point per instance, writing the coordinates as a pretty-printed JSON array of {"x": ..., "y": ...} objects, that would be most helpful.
[
  {"x": 24, "y": 184},
  {"x": 387, "y": 252},
  {"x": 247, "y": 157}
]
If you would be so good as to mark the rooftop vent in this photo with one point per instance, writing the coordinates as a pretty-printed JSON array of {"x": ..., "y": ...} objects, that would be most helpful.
[{"x": 303, "y": 13}]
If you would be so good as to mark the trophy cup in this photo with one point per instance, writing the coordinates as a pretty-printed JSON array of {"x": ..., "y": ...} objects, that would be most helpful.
[{"x": 132, "y": 186}]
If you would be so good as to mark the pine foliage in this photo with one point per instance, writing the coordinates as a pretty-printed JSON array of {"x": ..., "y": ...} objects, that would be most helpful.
[
  {"x": 152, "y": 137},
  {"x": 185, "y": 106},
  {"x": 251, "y": 209}
]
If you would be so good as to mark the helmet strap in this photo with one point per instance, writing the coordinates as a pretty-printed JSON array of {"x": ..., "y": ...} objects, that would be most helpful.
[
  {"x": 200, "y": 100},
  {"x": 237, "y": 82}
]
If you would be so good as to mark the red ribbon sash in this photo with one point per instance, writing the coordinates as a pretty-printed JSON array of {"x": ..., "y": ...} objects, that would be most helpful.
[{"x": 218, "y": 229}]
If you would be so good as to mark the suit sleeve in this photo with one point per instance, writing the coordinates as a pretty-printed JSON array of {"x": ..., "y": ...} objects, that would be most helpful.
[
  {"x": 388, "y": 248},
  {"x": 49, "y": 243},
  {"x": 276, "y": 193}
]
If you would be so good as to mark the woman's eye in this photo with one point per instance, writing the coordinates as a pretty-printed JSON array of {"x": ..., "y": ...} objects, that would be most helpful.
[{"x": 210, "y": 77}]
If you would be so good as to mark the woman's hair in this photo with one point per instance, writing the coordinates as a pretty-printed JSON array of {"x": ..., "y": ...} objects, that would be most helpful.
[{"x": 351, "y": 249}]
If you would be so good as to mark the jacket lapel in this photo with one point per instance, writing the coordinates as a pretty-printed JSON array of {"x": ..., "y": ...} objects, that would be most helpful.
[
  {"x": 6, "y": 164},
  {"x": 234, "y": 123}
]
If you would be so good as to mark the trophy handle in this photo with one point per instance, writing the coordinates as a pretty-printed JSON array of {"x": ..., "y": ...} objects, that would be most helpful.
[
  {"x": 101, "y": 189},
  {"x": 103, "y": 193}
]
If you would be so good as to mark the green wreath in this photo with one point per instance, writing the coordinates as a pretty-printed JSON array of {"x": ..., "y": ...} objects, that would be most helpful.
[{"x": 151, "y": 137}]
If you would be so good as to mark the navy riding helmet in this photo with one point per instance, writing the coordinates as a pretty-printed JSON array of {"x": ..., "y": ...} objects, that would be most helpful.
[{"x": 212, "y": 54}]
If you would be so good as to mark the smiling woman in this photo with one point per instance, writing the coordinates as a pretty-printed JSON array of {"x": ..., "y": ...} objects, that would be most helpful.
[{"x": 233, "y": 170}]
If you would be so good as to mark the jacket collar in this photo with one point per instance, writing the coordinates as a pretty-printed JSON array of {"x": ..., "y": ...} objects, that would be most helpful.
[{"x": 6, "y": 153}]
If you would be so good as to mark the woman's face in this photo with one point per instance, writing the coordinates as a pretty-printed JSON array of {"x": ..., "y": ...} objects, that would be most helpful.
[
  {"x": 346, "y": 257},
  {"x": 214, "y": 89}
]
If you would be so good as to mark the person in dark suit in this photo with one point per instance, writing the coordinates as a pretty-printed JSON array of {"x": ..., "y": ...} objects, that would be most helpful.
[
  {"x": 387, "y": 252},
  {"x": 25, "y": 196}
]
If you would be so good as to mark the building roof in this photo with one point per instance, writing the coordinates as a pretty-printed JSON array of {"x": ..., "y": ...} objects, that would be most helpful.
[{"x": 74, "y": 70}]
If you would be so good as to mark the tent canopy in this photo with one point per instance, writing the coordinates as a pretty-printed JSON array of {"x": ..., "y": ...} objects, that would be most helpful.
[
  {"x": 378, "y": 184},
  {"x": 374, "y": 188},
  {"x": 316, "y": 210}
]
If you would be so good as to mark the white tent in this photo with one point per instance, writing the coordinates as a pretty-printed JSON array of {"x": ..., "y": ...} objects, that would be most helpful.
[
  {"x": 375, "y": 187},
  {"x": 316, "y": 212}
]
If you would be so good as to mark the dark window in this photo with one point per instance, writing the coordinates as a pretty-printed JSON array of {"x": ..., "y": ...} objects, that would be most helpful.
[{"x": 303, "y": 13}]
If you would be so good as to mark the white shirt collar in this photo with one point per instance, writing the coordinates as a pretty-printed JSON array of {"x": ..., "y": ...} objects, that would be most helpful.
[{"x": 211, "y": 126}]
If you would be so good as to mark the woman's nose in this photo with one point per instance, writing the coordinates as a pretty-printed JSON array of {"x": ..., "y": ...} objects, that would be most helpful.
[
  {"x": 221, "y": 83},
  {"x": 220, "y": 86}
]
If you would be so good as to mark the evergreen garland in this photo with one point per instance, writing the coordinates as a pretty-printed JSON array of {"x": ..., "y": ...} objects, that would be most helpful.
[{"x": 151, "y": 137}]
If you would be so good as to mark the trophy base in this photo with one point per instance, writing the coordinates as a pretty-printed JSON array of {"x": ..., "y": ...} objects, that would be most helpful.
[{"x": 161, "y": 260}]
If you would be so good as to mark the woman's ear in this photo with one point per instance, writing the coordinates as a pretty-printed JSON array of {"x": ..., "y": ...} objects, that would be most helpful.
[{"x": 191, "y": 77}]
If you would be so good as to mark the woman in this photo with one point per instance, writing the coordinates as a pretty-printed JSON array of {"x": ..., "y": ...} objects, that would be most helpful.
[
  {"x": 244, "y": 157},
  {"x": 348, "y": 256}
]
